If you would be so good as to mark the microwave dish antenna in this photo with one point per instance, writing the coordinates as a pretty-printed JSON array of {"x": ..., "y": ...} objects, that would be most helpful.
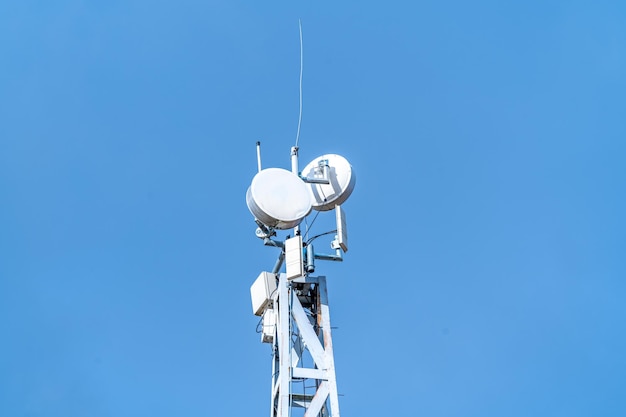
[
  {"x": 278, "y": 198},
  {"x": 331, "y": 180}
]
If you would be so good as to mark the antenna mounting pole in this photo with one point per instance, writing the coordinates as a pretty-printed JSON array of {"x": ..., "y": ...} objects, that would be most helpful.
[
  {"x": 294, "y": 169},
  {"x": 258, "y": 154},
  {"x": 294, "y": 159}
]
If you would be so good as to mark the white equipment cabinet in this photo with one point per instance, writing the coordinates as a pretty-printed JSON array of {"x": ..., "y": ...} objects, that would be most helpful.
[{"x": 261, "y": 292}]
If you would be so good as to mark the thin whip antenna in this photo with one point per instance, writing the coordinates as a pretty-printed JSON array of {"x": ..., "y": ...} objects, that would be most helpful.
[
  {"x": 258, "y": 155},
  {"x": 301, "y": 65}
]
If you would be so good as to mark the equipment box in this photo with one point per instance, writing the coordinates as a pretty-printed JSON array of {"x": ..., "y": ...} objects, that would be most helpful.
[{"x": 261, "y": 292}]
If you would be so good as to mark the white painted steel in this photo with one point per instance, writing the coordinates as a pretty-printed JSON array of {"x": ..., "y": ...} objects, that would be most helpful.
[
  {"x": 308, "y": 334},
  {"x": 294, "y": 170},
  {"x": 284, "y": 346},
  {"x": 342, "y": 180},
  {"x": 278, "y": 198},
  {"x": 294, "y": 160},
  {"x": 309, "y": 373},
  {"x": 323, "y": 320},
  {"x": 318, "y": 400},
  {"x": 296, "y": 334}
]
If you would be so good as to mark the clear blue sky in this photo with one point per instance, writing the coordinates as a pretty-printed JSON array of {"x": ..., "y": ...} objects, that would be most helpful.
[{"x": 487, "y": 267}]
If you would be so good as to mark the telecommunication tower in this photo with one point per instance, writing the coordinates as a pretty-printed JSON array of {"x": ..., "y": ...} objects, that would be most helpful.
[{"x": 293, "y": 303}]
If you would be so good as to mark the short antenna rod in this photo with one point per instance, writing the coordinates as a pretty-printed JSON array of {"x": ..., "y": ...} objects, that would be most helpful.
[{"x": 258, "y": 154}]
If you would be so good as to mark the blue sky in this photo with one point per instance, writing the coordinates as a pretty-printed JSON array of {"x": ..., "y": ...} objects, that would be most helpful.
[{"x": 486, "y": 268}]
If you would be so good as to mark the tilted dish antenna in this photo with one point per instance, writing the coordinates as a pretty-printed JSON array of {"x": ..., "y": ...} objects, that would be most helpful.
[
  {"x": 331, "y": 180},
  {"x": 278, "y": 198}
]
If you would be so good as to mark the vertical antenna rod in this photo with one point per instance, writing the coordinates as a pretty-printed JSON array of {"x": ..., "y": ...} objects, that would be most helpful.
[
  {"x": 301, "y": 65},
  {"x": 258, "y": 154}
]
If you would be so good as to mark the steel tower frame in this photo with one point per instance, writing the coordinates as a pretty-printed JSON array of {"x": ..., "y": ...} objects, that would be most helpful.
[
  {"x": 296, "y": 319},
  {"x": 303, "y": 330}
]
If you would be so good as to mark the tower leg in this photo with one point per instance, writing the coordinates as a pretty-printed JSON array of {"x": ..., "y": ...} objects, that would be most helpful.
[{"x": 323, "y": 318}]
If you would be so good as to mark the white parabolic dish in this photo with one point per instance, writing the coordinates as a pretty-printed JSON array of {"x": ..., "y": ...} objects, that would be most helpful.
[
  {"x": 342, "y": 181},
  {"x": 278, "y": 198}
]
